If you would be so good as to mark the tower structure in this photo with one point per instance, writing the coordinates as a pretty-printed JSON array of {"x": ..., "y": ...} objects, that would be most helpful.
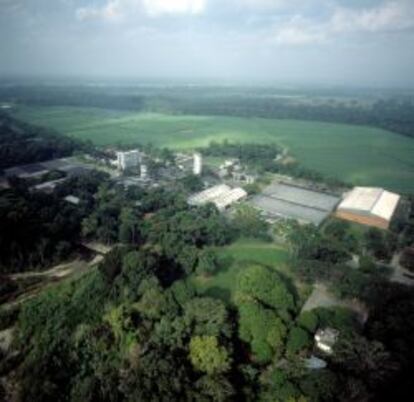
[{"x": 198, "y": 164}]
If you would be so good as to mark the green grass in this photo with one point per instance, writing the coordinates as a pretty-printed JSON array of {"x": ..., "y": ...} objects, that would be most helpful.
[
  {"x": 360, "y": 155},
  {"x": 235, "y": 258}
]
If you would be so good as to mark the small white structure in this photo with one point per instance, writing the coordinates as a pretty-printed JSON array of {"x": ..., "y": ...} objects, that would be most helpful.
[
  {"x": 229, "y": 163},
  {"x": 243, "y": 177},
  {"x": 221, "y": 195},
  {"x": 48, "y": 186},
  {"x": 72, "y": 199},
  {"x": 144, "y": 172},
  {"x": 314, "y": 363},
  {"x": 128, "y": 159},
  {"x": 325, "y": 339},
  {"x": 369, "y": 206},
  {"x": 198, "y": 164}
]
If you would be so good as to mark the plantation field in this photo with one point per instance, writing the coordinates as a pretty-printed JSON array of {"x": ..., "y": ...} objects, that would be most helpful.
[
  {"x": 360, "y": 155},
  {"x": 233, "y": 259}
]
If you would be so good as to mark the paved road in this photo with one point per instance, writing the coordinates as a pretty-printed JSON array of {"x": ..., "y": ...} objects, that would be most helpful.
[
  {"x": 400, "y": 274},
  {"x": 49, "y": 278},
  {"x": 321, "y": 297}
]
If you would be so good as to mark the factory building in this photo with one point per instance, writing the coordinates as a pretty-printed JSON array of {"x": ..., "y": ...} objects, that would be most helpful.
[
  {"x": 287, "y": 201},
  {"x": 198, "y": 164},
  {"x": 369, "y": 206},
  {"x": 128, "y": 159},
  {"x": 221, "y": 195}
]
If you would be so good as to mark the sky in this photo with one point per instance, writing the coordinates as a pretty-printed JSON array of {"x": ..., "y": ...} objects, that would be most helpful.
[{"x": 333, "y": 42}]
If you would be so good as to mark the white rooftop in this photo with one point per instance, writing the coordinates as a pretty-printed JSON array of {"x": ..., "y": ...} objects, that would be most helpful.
[
  {"x": 326, "y": 338},
  {"x": 221, "y": 195},
  {"x": 371, "y": 200},
  {"x": 72, "y": 199}
]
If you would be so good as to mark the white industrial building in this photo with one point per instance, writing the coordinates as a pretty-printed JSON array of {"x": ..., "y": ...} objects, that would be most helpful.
[
  {"x": 221, "y": 195},
  {"x": 128, "y": 159},
  {"x": 287, "y": 201},
  {"x": 198, "y": 164},
  {"x": 369, "y": 206}
]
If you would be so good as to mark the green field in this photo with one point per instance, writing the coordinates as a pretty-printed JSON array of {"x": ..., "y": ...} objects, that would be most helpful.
[
  {"x": 235, "y": 258},
  {"x": 361, "y": 155}
]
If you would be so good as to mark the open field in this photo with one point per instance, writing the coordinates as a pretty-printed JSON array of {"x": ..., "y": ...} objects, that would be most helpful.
[
  {"x": 361, "y": 155},
  {"x": 235, "y": 258}
]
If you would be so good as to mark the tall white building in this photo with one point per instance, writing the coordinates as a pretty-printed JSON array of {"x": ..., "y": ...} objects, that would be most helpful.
[
  {"x": 144, "y": 172},
  {"x": 128, "y": 159},
  {"x": 198, "y": 164}
]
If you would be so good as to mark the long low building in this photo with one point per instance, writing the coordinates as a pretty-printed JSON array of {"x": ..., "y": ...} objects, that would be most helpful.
[
  {"x": 369, "y": 206},
  {"x": 68, "y": 165},
  {"x": 221, "y": 195},
  {"x": 280, "y": 200}
]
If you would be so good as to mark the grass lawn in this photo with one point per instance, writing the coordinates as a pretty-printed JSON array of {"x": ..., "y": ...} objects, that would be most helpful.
[
  {"x": 360, "y": 155},
  {"x": 235, "y": 258}
]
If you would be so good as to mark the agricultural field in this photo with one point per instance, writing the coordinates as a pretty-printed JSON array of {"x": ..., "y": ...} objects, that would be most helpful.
[
  {"x": 233, "y": 259},
  {"x": 357, "y": 154}
]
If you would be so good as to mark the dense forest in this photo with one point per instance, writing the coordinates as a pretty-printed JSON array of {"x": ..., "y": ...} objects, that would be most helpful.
[
  {"x": 21, "y": 143},
  {"x": 136, "y": 329},
  {"x": 390, "y": 112}
]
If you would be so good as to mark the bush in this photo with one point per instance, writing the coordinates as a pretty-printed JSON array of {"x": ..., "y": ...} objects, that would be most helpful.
[
  {"x": 8, "y": 317},
  {"x": 207, "y": 263},
  {"x": 308, "y": 320},
  {"x": 336, "y": 317},
  {"x": 298, "y": 340},
  {"x": 367, "y": 264}
]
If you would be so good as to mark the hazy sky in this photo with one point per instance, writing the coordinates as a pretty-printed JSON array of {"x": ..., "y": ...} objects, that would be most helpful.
[{"x": 367, "y": 42}]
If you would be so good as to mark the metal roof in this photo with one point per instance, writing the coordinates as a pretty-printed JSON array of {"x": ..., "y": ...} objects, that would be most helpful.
[
  {"x": 372, "y": 201},
  {"x": 221, "y": 195}
]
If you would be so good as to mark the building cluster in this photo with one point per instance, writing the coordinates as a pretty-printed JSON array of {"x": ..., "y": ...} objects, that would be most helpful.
[
  {"x": 140, "y": 169},
  {"x": 221, "y": 195},
  {"x": 67, "y": 167},
  {"x": 281, "y": 199},
  {"x": 368, "y": 206},
  {"x": 232, "y": 169}
]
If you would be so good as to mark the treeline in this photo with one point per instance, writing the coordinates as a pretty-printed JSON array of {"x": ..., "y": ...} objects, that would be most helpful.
[
  {"x": 392, "y": 113},
  {"x": 106, "y": 98},
  {"x": 260, "y": 156},
  {"x": 21, "y": 143}
]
